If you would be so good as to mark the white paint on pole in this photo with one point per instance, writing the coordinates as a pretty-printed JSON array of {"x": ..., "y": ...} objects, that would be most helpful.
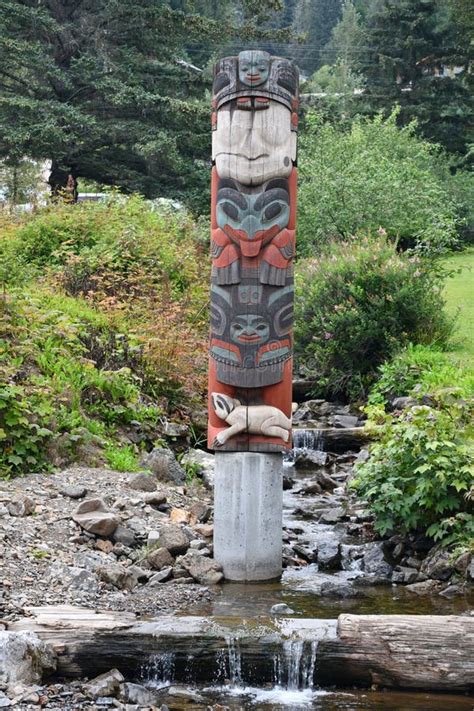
[{"x": 248, "y": 503}]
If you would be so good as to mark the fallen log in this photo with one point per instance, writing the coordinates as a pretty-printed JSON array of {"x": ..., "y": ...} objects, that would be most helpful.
[{"x": 426, "y": 652}]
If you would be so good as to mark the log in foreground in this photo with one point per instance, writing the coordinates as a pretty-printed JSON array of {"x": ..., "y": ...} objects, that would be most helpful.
[{"x": 426, "y": 652}]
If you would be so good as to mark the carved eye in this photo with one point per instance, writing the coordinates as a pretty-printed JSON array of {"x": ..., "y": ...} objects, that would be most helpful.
[
  {"x": 230, "y": 210},
  {"x": 261, "y": 328},
  {"x": 272, "y": 211}
]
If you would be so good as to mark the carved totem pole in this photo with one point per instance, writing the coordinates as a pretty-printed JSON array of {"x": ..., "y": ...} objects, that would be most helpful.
[{"x": 254, "y": 122}]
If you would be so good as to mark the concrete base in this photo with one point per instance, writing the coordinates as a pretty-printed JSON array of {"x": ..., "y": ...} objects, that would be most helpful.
[{"x": 248, "y": 493}]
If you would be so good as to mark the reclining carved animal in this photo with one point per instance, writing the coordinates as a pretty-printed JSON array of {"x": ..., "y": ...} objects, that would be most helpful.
[{"x": 254, "y": 419}]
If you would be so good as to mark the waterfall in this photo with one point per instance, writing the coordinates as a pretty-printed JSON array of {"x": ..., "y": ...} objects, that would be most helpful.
[
  {"x": 306, "y": 441},
  {"x": 159, "y": 669},
  {"x": 294, "y": 666}
]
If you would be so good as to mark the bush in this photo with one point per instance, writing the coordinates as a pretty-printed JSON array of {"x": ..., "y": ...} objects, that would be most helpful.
[
  {"x": 374, "y": 174},
  {"x": 419, "y": 476},
  {"x": 356, "y": 306}
]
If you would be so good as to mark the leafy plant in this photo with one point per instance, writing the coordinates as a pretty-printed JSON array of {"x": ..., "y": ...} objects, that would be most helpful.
[{"x": 122, "y": 458}]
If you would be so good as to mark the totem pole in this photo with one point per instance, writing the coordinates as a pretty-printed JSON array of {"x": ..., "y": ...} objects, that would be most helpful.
[{"x": 254, "y": 122}]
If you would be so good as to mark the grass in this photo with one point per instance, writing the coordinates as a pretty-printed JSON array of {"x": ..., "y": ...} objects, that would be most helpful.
[
  {"x": 459, "y": 293},
  {"x": 122, "y": 459}
]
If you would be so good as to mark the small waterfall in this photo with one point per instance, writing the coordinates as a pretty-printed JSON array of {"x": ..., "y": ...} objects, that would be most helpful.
[
  {"x": 294, "y": 666},
  {"x": 306, "y": 442},
  {"x": 159, "y": 670},
  {"x": 235, "y": 661}
]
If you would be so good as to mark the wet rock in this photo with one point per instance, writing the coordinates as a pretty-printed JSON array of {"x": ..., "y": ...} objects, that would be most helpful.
[
  {"x": 374, "y": 562},
  {"x": 202, "y": 570},
  {"x": 205, "y": 461},
  {"x": 281, "y": 609},
  {"x": 345, "y": 421},
  {"x": 160, "y": 558},
  {"x": 162, "y": 462},
  {"x": 438, "y": 564},
  {"x": 156, "y": 498},
  {"x": 137, "y": 694},
  {"x": 73, "y": 491},
  {"x": 174, "y": 539},
  {"x": 142, "y": 482},
  {"x": 333, "y": 515},
  {"x": 311, "y": 457},
  {"x": 21, "y": 506},
  {"x": 24, "y": 658},
  {"x": 452, "y": 591},
  {"x": 426, "y": 587},
  {"x": 406, "y": 576},
  {"x": 93, "y": 516},
  {"x": 329, "y": 554},
  {"x": 118, "y": 576},
  {"x": 107, "y": 684},
  {"x": 338, "y": 589},
  {"x": 184, "y": 693},
  {"x": 288, "y": 480},
  {"x": 124, "y": 535}
]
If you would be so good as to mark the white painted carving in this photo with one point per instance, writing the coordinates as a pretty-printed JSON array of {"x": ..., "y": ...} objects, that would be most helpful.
[
  {"x": 254, "y": 146},
  {"x": 255, "y": 419}
]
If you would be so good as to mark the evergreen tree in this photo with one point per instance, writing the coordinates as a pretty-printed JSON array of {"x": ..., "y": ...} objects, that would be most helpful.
[
  {"x": 347, "y": 38},
  {"x": 315, "y": 19},
  {"x": 418, "y": 57}
]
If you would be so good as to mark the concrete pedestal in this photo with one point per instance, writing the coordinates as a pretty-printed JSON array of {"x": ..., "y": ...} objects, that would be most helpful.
[{"x": 248, "y": 493}]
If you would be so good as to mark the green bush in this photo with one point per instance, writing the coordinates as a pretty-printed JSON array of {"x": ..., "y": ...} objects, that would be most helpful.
[
  {"x": 419, "y": 476},
  {"x": 357, "y": 305},
  {"x": 369, "y": 176}
]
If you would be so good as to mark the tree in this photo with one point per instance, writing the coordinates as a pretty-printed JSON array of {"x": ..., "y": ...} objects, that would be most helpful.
[
  {"x": 108, "y": 91},
  {"x": 418, "y": 57},
  {"x": 347, "y": 38},
  {"x": 315, "y": 18}
]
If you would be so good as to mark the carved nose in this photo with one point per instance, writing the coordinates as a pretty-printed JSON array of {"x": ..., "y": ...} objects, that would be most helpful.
[{"x": 251, "y": 225}]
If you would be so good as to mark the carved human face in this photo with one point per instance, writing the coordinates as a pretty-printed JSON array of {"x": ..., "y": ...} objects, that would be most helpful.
[
  {"x": 254, "y": 146},
  {"x": 254, "y": 67},
  {"x": 249, "y": 329}
]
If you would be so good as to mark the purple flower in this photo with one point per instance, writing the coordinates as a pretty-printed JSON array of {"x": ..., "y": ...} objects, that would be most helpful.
[{"x": 327, "y": 335}]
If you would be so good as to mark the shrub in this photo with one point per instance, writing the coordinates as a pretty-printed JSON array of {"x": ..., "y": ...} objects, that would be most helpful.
[
  {"x": 370, "y": 175},
  {"x": 122, "y": 459},
  {"x": 359, "y": 303},
  {"x": 419, "y": 476}
]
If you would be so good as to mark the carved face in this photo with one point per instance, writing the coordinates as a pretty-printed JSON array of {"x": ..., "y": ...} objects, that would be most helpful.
[
  {"x": 249, "y": 329},
  {"x": 223, "y": 405},
  {"x": 254, "y": 67},
  {"x": 253, "y": 146}
]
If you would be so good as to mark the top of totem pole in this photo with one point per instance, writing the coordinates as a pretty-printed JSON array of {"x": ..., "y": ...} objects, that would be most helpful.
[{"x": 255, "y": 73}]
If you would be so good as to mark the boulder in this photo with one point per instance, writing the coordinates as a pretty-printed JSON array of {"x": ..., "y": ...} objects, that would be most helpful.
[
  {"x": 374, "y": 563},
  {"x": 73, "y": 491},
  {"x": 162, "y": 462},
  {"x": 24, "y": 658},
  {"x": 142, "y": 482},
  {"x": 160, "y": 558},
  {"x": 174, "y": 539},
  {"x": 329, "y": 554},
  {"x": 345, "y": 421},
  {"x": 281, "y": 608},
  {"x": 202, "y": 570},
  {"x": 438, "y": 564},
  {"x": 155, "y": 498},
  {"x": 406, "y": 576},
  {"x": 137, "y": 694},
  {"x": 161, "y": 576},
  {"x": 199, "y": 512},
  {"x": 124, "y": 535},
  {"x": 93, "y": 516},
  {"x": 333, "y": 515},
  {"x": 107, "y": 684},
  {"x": 21, "y": 506},
  {"x": 206, "y": 463},
  {"x": 118, "y": 576}
]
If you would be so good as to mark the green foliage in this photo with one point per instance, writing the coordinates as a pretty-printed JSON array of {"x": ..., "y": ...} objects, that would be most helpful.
[
  {"x": 122, "y": 459},
  {"x": 358, "y": 304},
  {"x": 419, "y": 476},
  {"x": 316, "y": 19},
  {"x": 372, "y": 175}
]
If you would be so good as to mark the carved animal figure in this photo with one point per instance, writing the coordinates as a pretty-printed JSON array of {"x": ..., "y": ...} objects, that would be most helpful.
[{"x": 255, "y": 419}]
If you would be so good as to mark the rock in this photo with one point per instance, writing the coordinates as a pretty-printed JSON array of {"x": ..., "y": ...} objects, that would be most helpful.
[
  {"x": 156, "y": 498},
  {"x": 311, "y": 457},
  {"x": 137, "y": 694},
  {"x": 176, "y": 430},
  {"x": 400, "y": 403},
  {"x": 438, "y": 564},
  {"x": 452, "y": 591},
  {"x": 197, "y": 544},
  {"x": 160, "y": 558},
  {"x": 162, "y": 462},
  {"x": 174, "y": 539},
  {"x": 333, "y": 515},
  {"x": 202, "y": 570},
  {"x": 337, "y": 589},
  {"x": 425, "y": 587},
  {"x": 179, "y": 515},
  {"x": 206, "y": 463},
  {"x": 117, "y": 575},
  {"x": 199, "y": 513},
  {"x": 107, "y": 684},
  {"x": 462, "y": 562},
  {"x": 124, "y": 535},
  {"x": 329, "y": 554},
  {"x": 204, "y": 529},
  {"x": 161, "y": 577},
  {"x": 93, "y": 516},
  {"x": 142, "y": 482},
  {"x": 345, "y": 421},
  {"x": 470, "y": 570},
  {"x": 374, "y": 563},
  {"x": 184, "y": 693},
  {"x": 73, "y": 491},
  {"x": 21, "y": 506},
  {"x": 281, "y": 609},
  {"x": 406, "y": 576},
  {"x": 288, "y": 480},
  {"x": 24, "y": 658},
  {"x": 153, "y": 538},
  {"x": 105, "y": 546}
]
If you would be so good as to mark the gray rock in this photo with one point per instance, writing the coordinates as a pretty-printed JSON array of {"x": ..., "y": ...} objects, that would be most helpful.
[
  {"x": 94, "y": 516},
  {"x": 329, "y": 554},
  {"x": 107, "y": 684},
  {"x": 21, "y": 506},
  {"x": 345, "y": 421},
  {"x": 162, "y": 462},
  {"x": 333, "y": 515},
  {"x": 117, "y": 575},
  {"x": 156, "y": 498},
  {"x": 200, "y": 512},
  {"x": 206, "y": 463},
  {"x": 124, "y": 535},
  {"x": 142, "y": 482},
  {"x": 197, "y": 544},
  {"x": 374, "y": 563},
  {"x": 161, "y": 577},
  {"x": 400, "y": 403},
  {"x": 470, "y": 570},
  {"x": 176, "y": 430},
  {"x": 425, "y": 587},
  {"x": 160, "y": 558},
  {"x": 452, "y": 591},
  {"x": 174, "y": 539},
  {"x": 184, "y": 693},
  {"x": 153, "y": 538},
  {"x": 24, "y": 658},
  {"x": 137, "y": 694},
  {"x": 73, "y": 492},
  {"x": 281, "y": 609},
  {"x": 438, "y": 564},
  {"x": 406, "y": 576},
  {"x": 338, "y": 589},
  {"x": 202, "y": 570}
]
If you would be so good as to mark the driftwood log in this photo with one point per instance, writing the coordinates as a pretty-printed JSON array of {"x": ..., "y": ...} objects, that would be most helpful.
[{"x": 426, "y": 652}]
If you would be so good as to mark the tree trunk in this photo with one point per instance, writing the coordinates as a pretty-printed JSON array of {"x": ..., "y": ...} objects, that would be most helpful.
[{"x": 63, "y": 182}]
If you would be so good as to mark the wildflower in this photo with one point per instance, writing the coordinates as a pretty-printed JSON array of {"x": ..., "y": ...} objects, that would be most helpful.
[
  {"x": 381, "y": 232},
  {"x": 327, "y": 335}
]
